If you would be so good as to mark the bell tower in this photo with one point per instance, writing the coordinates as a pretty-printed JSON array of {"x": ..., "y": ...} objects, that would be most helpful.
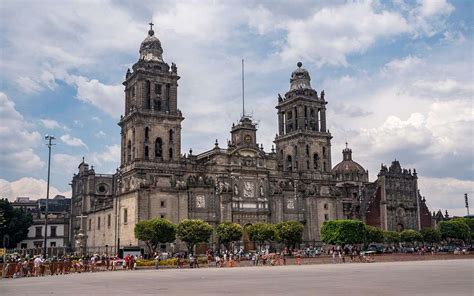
[
  {"x": 303, "y": 143},
  {"x": 151, "y": 126}
]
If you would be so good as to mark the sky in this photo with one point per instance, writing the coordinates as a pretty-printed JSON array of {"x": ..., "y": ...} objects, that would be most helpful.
[{"x": 398, "y": 79}]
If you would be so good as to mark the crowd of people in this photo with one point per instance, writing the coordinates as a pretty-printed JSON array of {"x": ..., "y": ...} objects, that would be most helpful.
[{"x": 16, "y": 265}]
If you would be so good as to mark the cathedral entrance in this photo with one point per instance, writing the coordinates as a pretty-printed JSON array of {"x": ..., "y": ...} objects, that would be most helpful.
[
  {"x": 248, "y": 245},
  {"x": 400, "y": 227}
]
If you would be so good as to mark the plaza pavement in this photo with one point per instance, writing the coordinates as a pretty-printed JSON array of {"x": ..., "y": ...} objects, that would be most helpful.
[{"x": 440, "y": 277}]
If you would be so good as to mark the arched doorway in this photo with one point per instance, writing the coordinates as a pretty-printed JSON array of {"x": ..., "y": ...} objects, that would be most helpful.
[{"x": 248, "y": 245}]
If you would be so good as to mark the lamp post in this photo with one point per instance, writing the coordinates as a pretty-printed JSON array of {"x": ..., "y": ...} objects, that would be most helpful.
[{"x": 49, "y": 139}]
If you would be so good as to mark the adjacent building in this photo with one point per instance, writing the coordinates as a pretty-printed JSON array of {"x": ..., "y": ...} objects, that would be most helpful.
[{"x": 58, "y": 234}]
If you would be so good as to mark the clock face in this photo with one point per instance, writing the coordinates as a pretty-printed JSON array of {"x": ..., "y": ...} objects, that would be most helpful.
[{"x": 248, "y": 139}]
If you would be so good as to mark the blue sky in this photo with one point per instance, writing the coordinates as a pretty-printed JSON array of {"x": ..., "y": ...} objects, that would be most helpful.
[{"x": 398, "y": 78}]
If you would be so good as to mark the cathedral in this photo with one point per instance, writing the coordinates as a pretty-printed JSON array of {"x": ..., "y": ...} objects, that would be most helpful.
[{"x": 240, "y": 182}]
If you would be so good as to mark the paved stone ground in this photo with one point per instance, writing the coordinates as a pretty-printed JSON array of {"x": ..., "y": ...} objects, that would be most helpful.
[{"x": 440, "y": 277}]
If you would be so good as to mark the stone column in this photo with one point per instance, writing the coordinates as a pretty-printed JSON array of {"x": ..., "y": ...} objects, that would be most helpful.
[
  {"x": 316, "y": 119},
  {"x": 280, "y": 124},
  {"x": 323, "y": 120}
]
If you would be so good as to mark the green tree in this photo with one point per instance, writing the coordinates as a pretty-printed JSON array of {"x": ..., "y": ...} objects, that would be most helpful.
[
  {"x": 410, "y": 236},
  {"x": 154, "y": 232},
  {"x": 431, "y": 235},
  {"x": 261, "y": 232},
  {"x": 454, "y": 229},
  {"x": 470, "y": 223},
  {"x": 193, "y": 231},
  {"x": 391, "y": 237},
  {"x": 229, "y": 232},
  {"x": 343, "y": 232},
  {"x": 290, "y": 233},
  {"x": 14, "y": 223},
  {"x": 373, "y": 234}
]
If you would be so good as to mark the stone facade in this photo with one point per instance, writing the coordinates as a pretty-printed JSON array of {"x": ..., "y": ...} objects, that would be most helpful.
[{"x": 239, "y": 182}]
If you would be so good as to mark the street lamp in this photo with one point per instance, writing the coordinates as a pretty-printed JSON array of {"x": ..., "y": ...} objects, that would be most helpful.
[{"x": 49, "y": 139}]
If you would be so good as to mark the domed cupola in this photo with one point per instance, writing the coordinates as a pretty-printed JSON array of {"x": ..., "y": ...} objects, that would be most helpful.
[
  {"x": 300, "y": 79},
  {"x": 150, "y": 49},
  {"x": 349, "y": 170}
]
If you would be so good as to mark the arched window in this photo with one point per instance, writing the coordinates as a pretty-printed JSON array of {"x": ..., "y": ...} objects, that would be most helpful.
[
  {"x": 324, "y": 152},
  {"x": 324, "y": 166},
  {"x": 289, "y": 163},
  {"x": 158, "y": 148},
  {"x": 170, "y": 153},
  {"x": 307, "y": 164},
  {"x": 307, "y": 150},
  {"x": 147, "y": 133},
  {"x": 316, "y": 161},
  {"x": 170, "y": 135},
  {"x": 129, "y": 151},
  {"x": 147, "y": 152}
]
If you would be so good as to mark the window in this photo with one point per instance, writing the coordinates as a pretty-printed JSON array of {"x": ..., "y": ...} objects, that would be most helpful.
[
  {"x": 162, "y": 204},
  {"x": 98, "y": 223},
  {"x": 162, "y": 216},
  {"x": 170, "y": 135},
  {"x": 324, "y": 152},
  {"x": 147, "y": 94},
  {"x": 53, "y": 231},
  {"x": 38, "y": 231},
  {"x": 158, "y": 89},
  {"x": 90, "y": 224},
  {"x": 52, "y": 244},
  {"x": 24, "y": 246},
  {"x": 307, "y": 164},
  {"x": 147, "y": 153},
  {"x": 38, "y": 244},
  {"x": 109, "y": 220},
  {"x": 170, "y": 153},
  {"x": 289, "y": 163},
  {"x": 159, "y": 148},
  {"x": 168, "y": 94},
  {"x": 316, "y": 161},
  {"x": 324, "y": 166},
  {"x": 326, "y": 217},
  {"x": 129, "y": 151},
  {"x": 307, "y": 150},
  {"x": 326, "y": 206},
  {"x": 147, "y": 133},
  {"x": 125, "y": 216},
  {"x": 157, "y": 104}
]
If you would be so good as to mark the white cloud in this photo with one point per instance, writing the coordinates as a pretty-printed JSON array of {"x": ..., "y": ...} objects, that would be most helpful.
[
  {"x": 72, "y": 141},
  {"x": 332, "y": 33},
  {"x": 430, "y": 8},
  {"x": 108, "y": 98},
  {"x": 100, "y": 134},
  {"x": 446, "y": 193},
  {"x": 50, "y": 123},
  {"x": 16, "y": 150},
  {"x": 28, "y": 187},
  {"x": 111, "y": 154}
]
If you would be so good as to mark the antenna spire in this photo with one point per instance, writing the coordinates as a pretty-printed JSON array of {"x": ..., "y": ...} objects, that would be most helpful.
[{"x": 243, "y": 90}]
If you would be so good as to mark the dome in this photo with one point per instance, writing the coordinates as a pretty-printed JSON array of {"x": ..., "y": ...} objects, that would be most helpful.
[
  {"x": 300, "y": 78},
  {"x": 349, "y": 170},
  {"x": 150, "y": 49}
]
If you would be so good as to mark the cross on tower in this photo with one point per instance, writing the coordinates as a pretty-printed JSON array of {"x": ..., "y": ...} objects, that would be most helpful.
[{"x": 151, "y": 25}]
